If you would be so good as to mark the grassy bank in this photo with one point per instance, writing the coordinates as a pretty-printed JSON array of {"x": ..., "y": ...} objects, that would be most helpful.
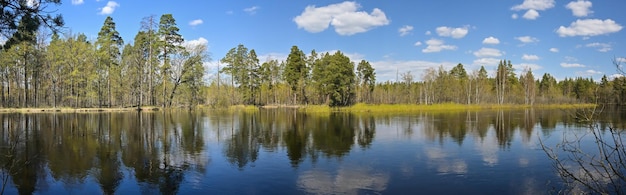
[
  {"x": 357, "y": 108},
  {"x": 394, "y": 108}
]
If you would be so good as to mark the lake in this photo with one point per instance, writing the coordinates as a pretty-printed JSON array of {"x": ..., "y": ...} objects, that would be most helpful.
[{"x": 281, "y": 151}]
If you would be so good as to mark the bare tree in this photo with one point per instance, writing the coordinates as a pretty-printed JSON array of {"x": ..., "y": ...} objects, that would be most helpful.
[{"x": 599, "y": 169}]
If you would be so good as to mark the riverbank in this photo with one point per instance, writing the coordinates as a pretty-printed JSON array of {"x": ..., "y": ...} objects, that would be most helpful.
[
  {"x": 75, "y": 110},
  {"x": 394, "y": 108},
  {"x": 359, "y": 108}
]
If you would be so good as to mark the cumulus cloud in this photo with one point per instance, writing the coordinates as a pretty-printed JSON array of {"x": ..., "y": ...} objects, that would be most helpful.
[
  {"x": 534, "y": 4},
  {"x": 526, "y": 66},
  {"x": 109, "y": 8},
  {"x": 588, "y": 73},
  {"x": 77, "y": 2},
  {"x": 491, "y": 41},
  {"x": 196, "y": 42},
  {"x": 251, "y": 10},
  {"x": 580, "y": 8},
  {"x": 344, "y": 17},
  {"x": 405, "y": 30},
  {"x": 486, "y": 62},
  {"x": 456, "y": 33},
  {"x": 428, "y": 33},
  {"x": 386, "y": 69},
  {"x": 436, "y": 45},
  {"x": 601, "y": 47},
  {"x": 620, "y": 60},
  {"x": 527, "y": 39},
  {"x": 514, "y": 16},
  {"x": 572, "y": 65},
  {"x": 418, "y": 43},
  {"x": 532, "y": 7},
  {"x": 487, "y": 52},
  {"x": 589, "y": 27},
  {"x": 195, "y": 22},
  {"x": 531, "y": 14},
  {"x": 554, "y": 50},
  {"x": 530, "y": 57}
]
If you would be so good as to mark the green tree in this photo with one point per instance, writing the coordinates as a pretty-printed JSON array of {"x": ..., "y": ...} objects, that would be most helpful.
[
  {"x": 108, "y": 44},
  {"x": 367, "y": 80},
  {"x": 339, "y": 79},
  {"x": 243, "y": 66},
  {"x": 170, "y": 42},
  {"x": 14, "y": 11},
  {"x": 461, "y": 84},
  {"x": 503, "y": 80},
  {"x": 528, "y": 81},
  {"x": 296, "y": 73}
]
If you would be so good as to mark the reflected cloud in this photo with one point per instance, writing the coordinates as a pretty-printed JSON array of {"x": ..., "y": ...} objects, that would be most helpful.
[
  {"x": 346, "y": 181},
  {"x": 488, "y": 148},
  {"x": 444, "y": 164}
]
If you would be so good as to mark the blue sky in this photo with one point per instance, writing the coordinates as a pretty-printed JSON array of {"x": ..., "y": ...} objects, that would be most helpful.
[{"x": 567, "y": 38}]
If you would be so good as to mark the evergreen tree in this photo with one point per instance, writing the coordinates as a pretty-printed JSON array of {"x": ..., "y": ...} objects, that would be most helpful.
[
  {"x": 109, "y": 43},
  {"x": 170, "y": 42},
  {"x": 366, "y": 78},
  {"x": 296, "y": 73}
]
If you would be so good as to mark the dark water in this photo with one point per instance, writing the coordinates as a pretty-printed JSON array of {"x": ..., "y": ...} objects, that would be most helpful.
[{"x": 282, "y": 152}]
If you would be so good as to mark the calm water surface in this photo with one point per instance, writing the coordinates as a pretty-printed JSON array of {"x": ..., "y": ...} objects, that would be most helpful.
[{"x": 282, "y": 152}]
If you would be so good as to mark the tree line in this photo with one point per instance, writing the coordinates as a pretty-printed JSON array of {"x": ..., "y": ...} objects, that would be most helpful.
[{"x": 158, "y": 68}]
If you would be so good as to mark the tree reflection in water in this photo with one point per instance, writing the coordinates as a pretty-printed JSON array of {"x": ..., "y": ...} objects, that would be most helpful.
[{"x": 158, "y": 150}]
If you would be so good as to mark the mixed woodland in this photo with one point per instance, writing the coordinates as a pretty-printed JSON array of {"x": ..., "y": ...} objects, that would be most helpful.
[{"x": 158, "y": 68}]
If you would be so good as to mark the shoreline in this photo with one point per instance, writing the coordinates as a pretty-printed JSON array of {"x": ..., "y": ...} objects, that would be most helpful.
[{"x": 383, "y": 108}]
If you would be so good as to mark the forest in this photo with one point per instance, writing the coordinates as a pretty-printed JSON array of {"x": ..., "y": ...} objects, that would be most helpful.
[{"x": 158, "y": 68}]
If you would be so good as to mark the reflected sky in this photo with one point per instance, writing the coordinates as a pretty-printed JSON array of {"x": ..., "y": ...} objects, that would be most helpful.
[{"x": 281, "y": 152}]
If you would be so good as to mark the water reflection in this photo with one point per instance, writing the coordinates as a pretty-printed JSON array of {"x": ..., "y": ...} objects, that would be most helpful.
[
  {"x": 161, "y": 152},
  {"x": 303, "y": 135},
  {"x": 353, "y": 180},
  {"x": 74, "y": 147}
]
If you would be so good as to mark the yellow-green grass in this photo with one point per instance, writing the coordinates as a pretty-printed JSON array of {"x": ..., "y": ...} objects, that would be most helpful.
[
  {"x": 245, "y": 108},
  {"x": 399, "y": 108}
]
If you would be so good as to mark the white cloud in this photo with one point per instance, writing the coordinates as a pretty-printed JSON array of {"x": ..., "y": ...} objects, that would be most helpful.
[
  {"x": 554, "y": 50},
  {"x": 532, "y": 7},
  {"x": 531, "y": 14},
  {"x": 109, "y": 8},
  {"x": 456, "y": 33},
  {"x": 251, "y": 10},
  {"x": 195, "y": 22},
  {"x": 343, "y": 16},
  {"x": 486, "y": 62},
  {"x": 589, "y": 27},
  {"x": 427, "y": 33},
  {"x": 386, "y": 69},
  {"x": 523, "y": 66},
  {"x": 487, "y": 52},
  {"x": 194, "y": 43},
  {"x": 405, "y": 30},
  {"x": 601, "y": 47},
  {"x": 620, "y": 60},
  {"x": 530, "y": 57},
  {"x": 614, "y": 76},
  {"x": 418, "y": 43},
  {"x": 527, "y": 39},
  {"x": 534, "y": 4},
  {"x": 491, "y": 41},
  {"x": 572, "y": 65},
  {"x": 580, "y": 8},
  {"x": 588, "y": 73},
  {"x": 514, "y": 16},
  {"x": 77, "y": 2},
  {"x": 436, "y": 45}
]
